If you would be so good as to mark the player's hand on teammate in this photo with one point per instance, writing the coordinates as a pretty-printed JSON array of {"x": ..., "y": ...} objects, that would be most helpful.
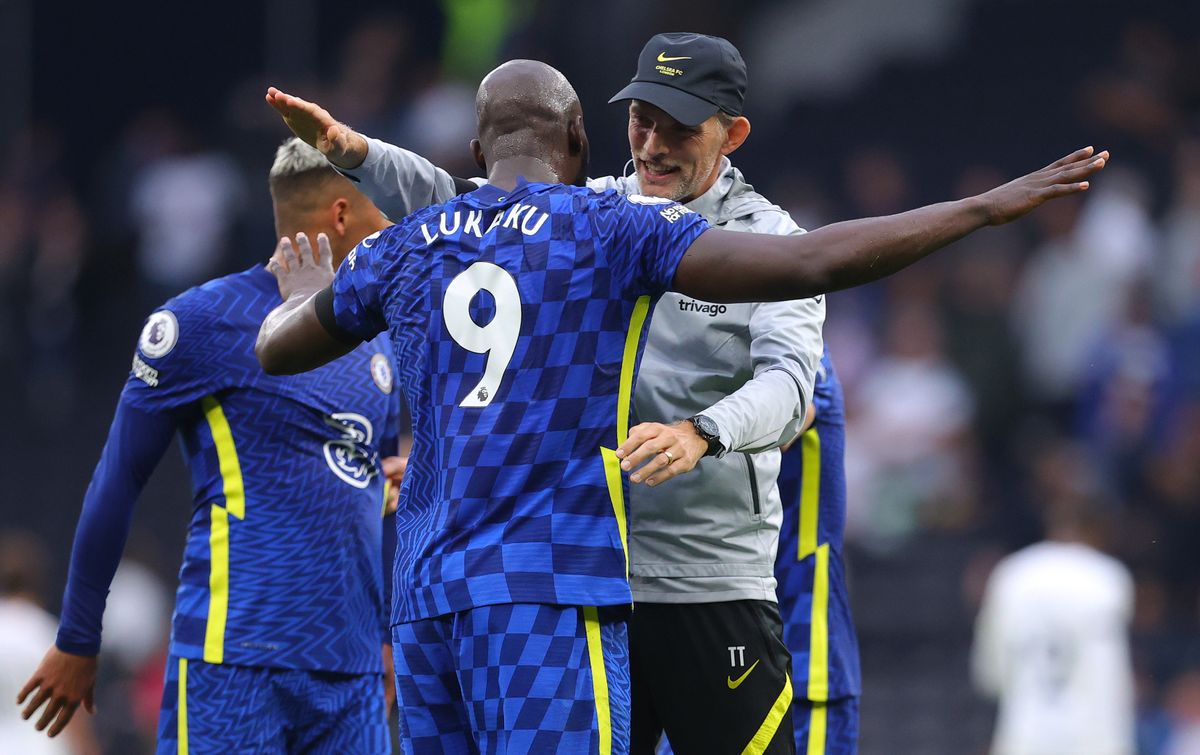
[
  {"x": 62, "y": 682},
  {"x": 341, "y": 145},
  {"x": 298, "y": 269},
  {"x": 393, "y": 469},
  {"x": 655, "y": 452},
  {"x": 1065, "y": 176}
]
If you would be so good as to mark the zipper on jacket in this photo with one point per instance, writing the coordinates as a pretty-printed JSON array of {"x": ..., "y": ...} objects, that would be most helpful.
[{"x": 753, "y": 484}]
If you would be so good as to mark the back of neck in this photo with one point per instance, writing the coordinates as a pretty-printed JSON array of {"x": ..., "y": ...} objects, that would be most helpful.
[{"x": 504, "y": 173}]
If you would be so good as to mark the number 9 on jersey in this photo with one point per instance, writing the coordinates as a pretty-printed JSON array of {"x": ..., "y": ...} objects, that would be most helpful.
[{"x": 497, "y": 339}]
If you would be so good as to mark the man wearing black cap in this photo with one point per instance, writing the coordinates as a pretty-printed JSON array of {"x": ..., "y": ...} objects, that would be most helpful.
[{"x": 735, "y": 381}]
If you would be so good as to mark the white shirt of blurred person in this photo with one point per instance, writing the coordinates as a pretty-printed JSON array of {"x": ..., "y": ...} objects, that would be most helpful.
[
  {"x": 26, "y": 630},
  {"x": 702, "y": 549},
  {"x": 1051, "y": 644},
  {"x": 184, "y": 207}
]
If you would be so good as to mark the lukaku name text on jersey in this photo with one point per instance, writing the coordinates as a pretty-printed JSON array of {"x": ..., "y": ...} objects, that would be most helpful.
[
  {"x": 517, "y": 319},
  {"x": 282, "y": 566}
]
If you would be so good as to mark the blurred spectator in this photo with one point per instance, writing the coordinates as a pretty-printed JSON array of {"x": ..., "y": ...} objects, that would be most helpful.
[
  {"x": 1051, "y": 642},
  {"x": 1076, "y": 283},
  {"x": 1124, "y": 401},
  {"x": 184, "y": 206},
  {"x": 1177, "y": 274},
  {"x": 909, "y": 439},
  {"x": 1183, "y": 714},
  {"x": 26, "y": 630}
]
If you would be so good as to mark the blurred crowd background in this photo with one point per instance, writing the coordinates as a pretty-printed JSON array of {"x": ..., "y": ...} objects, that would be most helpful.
[{"x": 1053, "y": 360}]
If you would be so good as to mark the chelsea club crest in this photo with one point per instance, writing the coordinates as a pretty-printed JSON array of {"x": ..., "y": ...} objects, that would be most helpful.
[{"x": 381, "y": 371}]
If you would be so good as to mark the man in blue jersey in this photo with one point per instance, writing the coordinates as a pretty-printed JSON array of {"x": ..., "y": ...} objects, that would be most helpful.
[
  {"x": 516, "y": 312},
  {"x": 279, "y": 618},
  {"x": 813, "y": 599}
]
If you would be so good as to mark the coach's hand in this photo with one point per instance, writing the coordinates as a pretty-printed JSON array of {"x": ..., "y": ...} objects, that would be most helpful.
[
  {"x": 64, "y": 681},
  {"x": 656, "y": 452},
  {"x": 341, "y": 145},
  {"x": 1060, "y": 178},
  {"x": 300, "y": 270}
]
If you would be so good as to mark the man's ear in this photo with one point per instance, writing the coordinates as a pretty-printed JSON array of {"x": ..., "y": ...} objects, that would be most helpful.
[
  {"x": 477, "y": 151},
  {"x": 736, "y": 135},
  {"x": 339, "y": 212},
  {"x": 576, "y": 136}
]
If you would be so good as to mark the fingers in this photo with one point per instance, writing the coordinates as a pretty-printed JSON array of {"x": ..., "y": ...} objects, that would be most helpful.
[
  {"x": 41, "y": 697},
  {"x": 34, "y": 682},
  {"x": 286, "y": 255},
  {"x": 1079, "y": 172},
  {"x": 1075, "y": 156},
  {"x": 89, "y": 700},
  {"x": 304, "y": 250},
  {"x": 640, "y": 447},
  {"x": 64, "y": 717},
  {"x": 56, "y": 705},
  {"x": 1062, "y": 190},
  {"x": 665, "y": 465},
  {"x": 324, "y": 256}
]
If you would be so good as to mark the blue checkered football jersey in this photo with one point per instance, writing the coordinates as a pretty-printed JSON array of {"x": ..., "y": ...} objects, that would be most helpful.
[
  {"x": 282, "y": 566},
  {"x": 517, "y": 320},
  {"x": 813, "y": 599}
]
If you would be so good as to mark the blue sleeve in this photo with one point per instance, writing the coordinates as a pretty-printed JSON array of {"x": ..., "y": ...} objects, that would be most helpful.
[
  {"x": 644, "y": 238},
  {"x": 357, "y": 303},
  {"x": 136, "y": 442}
]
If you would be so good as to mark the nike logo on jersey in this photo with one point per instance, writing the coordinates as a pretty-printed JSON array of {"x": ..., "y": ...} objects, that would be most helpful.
[
  {"x": 735, "y": 683},
  {"x": 662, "y": 58}
]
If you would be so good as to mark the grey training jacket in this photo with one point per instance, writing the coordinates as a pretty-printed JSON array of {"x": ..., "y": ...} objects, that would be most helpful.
[{"x": 709, "y": 535}]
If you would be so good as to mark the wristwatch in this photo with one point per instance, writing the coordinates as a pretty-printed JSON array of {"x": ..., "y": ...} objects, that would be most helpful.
[{"x": 707, "y": 429}]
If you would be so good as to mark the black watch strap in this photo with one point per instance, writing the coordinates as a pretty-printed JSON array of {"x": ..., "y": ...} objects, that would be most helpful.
[{"x": 707, "y": 429}]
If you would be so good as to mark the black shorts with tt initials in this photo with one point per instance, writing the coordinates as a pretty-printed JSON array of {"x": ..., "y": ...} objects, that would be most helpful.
[{"x": 715, "y": 677}]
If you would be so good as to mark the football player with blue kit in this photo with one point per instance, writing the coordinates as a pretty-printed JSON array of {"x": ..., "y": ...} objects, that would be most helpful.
[
  {"x": 517, "y": 313},
  {"x": 279, "y": 629},
  {"x": 813, "y": 597}
]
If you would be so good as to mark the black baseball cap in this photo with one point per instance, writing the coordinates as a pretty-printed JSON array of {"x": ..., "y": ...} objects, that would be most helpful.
[{"x": 690, "y": 76}]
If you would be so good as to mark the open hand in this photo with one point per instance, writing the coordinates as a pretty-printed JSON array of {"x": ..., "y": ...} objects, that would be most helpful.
[
  {"x": 341, "y": 145},
  {"x": 64, "y": 681},
  {"x": 300, "y": 270},
  {"x": 656, "y": 452},
  {"x": 1058, "y": 179}
]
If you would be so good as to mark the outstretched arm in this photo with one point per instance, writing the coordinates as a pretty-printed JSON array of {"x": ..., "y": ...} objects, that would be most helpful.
[
  {"x": 721, "y": 266},
  {"x": 398, "y": 181},
  {"x": 299, "y": 334}
]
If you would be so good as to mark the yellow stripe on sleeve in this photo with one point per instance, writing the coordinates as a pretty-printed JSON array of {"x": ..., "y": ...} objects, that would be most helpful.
[
  {"x": 810, "y": 492},
  {"x": 181, "y": 732},
  {"x": 625, "y": 388},
  {"x": 591, "y": 622},
  {"x": 218, "y": 535},
  {"x": 818, "y": 649},
  {"x": 816, "y": 729},
  {"x": 766, "y": 732},
  {"x": 616, "y": 493}
]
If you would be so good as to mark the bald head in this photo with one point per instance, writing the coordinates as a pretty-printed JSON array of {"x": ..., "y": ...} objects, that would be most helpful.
[{"x": 527, "y": 109}]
